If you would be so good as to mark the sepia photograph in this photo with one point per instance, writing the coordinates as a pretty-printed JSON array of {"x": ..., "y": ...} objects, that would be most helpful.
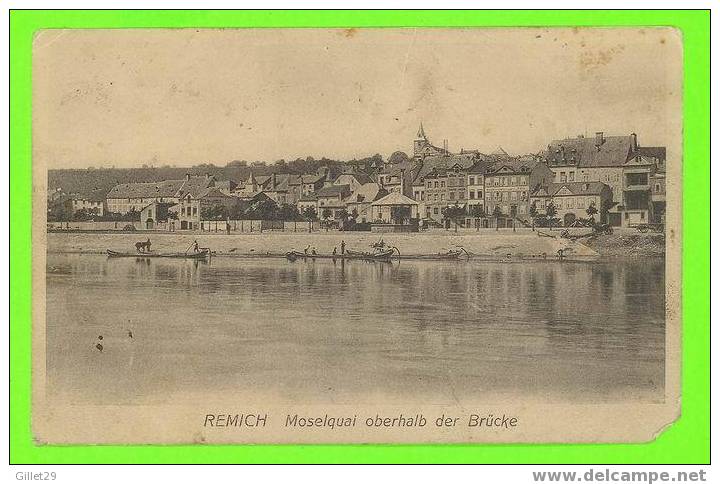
[{"x": 398, "y": 235}]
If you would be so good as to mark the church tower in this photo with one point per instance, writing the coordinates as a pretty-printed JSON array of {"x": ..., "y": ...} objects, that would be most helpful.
[{"x": 421, "y": 141}]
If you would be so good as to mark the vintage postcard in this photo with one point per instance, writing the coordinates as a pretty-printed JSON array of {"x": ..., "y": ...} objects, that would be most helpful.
[{"x": 356, "y": 236}]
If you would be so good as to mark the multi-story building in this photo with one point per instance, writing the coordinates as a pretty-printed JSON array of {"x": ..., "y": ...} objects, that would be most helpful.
[
  {"x": 92, "y": 202},
  {"x": 572, "y": 200},
  {"x": 476, "y": 188},
  {"x": 508, "y": 185},
  {"x": 128, "y": 197},
  {"x": 616, "y": 161}
]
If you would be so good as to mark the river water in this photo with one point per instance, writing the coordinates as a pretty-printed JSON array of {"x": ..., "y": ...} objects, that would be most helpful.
[{"x": 355, "y": 332}]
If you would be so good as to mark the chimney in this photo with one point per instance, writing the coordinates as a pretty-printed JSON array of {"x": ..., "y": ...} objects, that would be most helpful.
[
  {"x": 633, "y": 142},
  {"x": 599, "y": 139},
  {"x": 187, "y": 176}
]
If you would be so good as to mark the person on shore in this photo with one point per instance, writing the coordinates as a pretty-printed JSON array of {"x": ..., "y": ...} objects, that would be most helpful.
[{"x": 342, "y": 248}]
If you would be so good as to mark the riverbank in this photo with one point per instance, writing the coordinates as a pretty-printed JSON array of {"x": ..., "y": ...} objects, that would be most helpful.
[
  {"x": 489, "y": 244},
  {"x": 627, "y": 244}
]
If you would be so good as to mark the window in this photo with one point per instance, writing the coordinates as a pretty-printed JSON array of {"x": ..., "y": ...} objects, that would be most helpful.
[
  {"x": 563, "y": 177},
  {"x": 521, "y": 209},
  {"x": 479, "y": 194},
  {"x": 512, "y": 181},
  {"x": 585, "y": 177},
  {"x": 523, "y": 180},
  {"x": 436, "y": 211},
  {"x": 570, "y": 203},
  {"x": 642, "y": 215},
  {"x": 429, "y": 184},
  {"x": 436, "y": 184},
  {"x": 657, "y": 187},
  {"x": 442, "y": 197},
  {"x": 452, "y": 195},
  {"x": 471, "y": 180},
  {"x": 472, "y": 195},
  {"x": 505, "y": 196},
  {"x": 571, "y": 176},
  {"x": 513, "y": 196},
  {"x": 523, "y": 196},
  {"x": 442, "y": 184}
]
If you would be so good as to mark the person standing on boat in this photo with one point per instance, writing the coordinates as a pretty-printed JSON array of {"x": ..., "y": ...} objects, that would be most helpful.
[
  {"x": 334, "y": 251},
  {"x": 307, "y": 248},
  {"x": 195, "y": 246},
  {"x": 148, "y": 244},
  {"x": 342, "y": 248}
]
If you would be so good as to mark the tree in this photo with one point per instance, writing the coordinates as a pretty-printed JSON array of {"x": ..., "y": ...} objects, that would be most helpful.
[
  {"x": 398, "y": 157},
  {"x": 550, "y": 212},
  {"x": 453, "y": 212},
  {"x": 309, "y": 214},
  {"x": 497, "y": 213},
  {"x": 591, "y": 211},
  {"x": 326, "y": 213},
  {"x": 533, "y": 213},
  {"x": 342, "y": 215}
]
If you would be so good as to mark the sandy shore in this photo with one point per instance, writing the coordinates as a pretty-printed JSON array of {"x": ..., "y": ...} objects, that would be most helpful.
[{"x": 489, "y": 244}]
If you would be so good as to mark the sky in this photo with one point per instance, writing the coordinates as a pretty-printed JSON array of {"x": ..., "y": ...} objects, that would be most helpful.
[{"x": 126, "y": 98}]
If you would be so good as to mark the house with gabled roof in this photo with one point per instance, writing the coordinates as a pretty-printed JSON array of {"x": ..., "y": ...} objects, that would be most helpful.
[
  {"x": 572, "y": 200},
  {"x": 617, "y": 161},
  {"x": 359, "y": 204},
  {"x": 127, "y": 197},
  {"x": 508, "y": 184}
]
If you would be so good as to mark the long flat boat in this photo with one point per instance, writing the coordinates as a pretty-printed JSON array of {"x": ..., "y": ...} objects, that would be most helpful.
[
  {"x": 383, "y": 256},
  {"x": 168, "y": 255}
]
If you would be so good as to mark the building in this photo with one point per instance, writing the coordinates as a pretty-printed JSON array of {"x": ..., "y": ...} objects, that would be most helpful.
[
  {"x": 331, "y": 201},
  {"x": 395, "y": 209},
  {"x": 508, "y": 185},
  {"x": 155, "y": 213},
  {"x": 572, "y": 199},
  {"x": 353, "y": 180},
  {"x": 397, "y": 177},
  {"x": 359, "y": 204},
  {"x": 128, "y": 197},
  {"x": 440, "y": 182},
  {"x": 617, "y": 161},
  {"x": 193, "y": 208},
  {"x": 475, "y": 187},
  {"x": 91, "y": 201}
]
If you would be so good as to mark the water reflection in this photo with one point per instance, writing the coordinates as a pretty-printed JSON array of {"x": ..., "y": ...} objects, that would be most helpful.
[{"x": 354, "y": 331}]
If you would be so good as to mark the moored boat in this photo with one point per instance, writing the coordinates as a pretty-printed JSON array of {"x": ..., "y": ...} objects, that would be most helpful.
[{"x": 382, "y": 256}]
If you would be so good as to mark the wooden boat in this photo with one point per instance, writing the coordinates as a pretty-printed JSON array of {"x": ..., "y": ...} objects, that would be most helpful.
[
  {"x": 168, "y": 255},
  {"x": 449, "y": 255},
  {"x": 382, "y": 256}
]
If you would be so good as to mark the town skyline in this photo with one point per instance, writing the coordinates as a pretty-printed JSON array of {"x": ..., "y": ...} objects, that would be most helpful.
[{"x": 157, "y": 97}]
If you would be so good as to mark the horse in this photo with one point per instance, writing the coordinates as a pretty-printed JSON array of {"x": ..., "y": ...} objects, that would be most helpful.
[{"x": 142, "y": 246}]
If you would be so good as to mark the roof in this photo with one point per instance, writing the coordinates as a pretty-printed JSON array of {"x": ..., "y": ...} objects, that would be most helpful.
[
  {"x": 333, "y": 190},
  {"x": 614, "y": 151},
  {"x": 194, "y": 186},
  {"x": 480, "y": 167},
  {"x": 443, "y": 162},
  {"x": 652, "y": 151},
  {"x": 499, "y": 151},
  {"x": 395, "y": 198},
  {"x": 92, "y": 194},
  {"x": 369, "y": 192},
  {"x": 362, "y": 178},
  {"x": 513, "y": 165},
  {"x": 166, "y": 188},
  {"x": 214, "y": 192},
  {"x": 575, "y": 188}
]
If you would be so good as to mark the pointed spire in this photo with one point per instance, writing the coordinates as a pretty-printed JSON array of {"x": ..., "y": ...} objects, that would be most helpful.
[
  {"x": 500, "y": 151},
  {"x": 421, "y": 132}
]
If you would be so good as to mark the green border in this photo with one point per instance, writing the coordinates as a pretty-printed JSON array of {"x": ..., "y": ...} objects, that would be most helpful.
[{"x": 687, "y": 441}]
